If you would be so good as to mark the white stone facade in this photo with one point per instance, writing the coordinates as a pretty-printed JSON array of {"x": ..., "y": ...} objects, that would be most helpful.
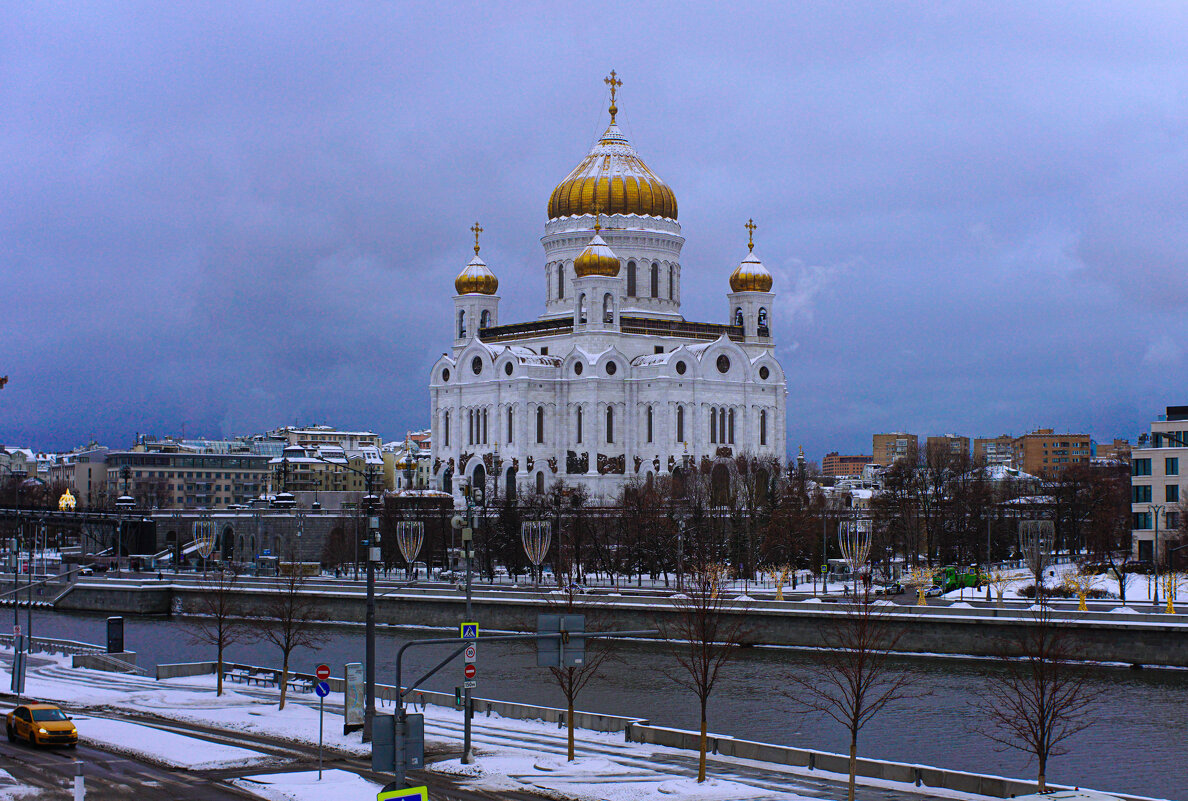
[{"x": 610, "y": 383}]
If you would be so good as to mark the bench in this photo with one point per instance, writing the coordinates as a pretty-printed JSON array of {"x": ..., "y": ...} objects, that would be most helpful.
[
  {"x": 238, "y": 675},
  {"x": 301, "y": 685},
  {"x": 264, "y": 678}
]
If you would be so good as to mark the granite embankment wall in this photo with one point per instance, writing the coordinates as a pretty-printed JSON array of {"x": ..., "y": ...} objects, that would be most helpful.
[
  {"x": 637, "y": 730},
  {"x": 1106, "y": 636}
]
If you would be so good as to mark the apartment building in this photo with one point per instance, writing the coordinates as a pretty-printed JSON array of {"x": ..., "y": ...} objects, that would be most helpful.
[
  {"x": 1157, "y": 465},
  {"x": 834, "y": 464},
  {"x": 1045, "y": 453},
  {"x": 951, "y": 443},
  {"x": 897, "y": 445},
  {"x": 998, "y": 450},
  {"x": 168, "y": 476},
  {"x": 85, "y": 473}
]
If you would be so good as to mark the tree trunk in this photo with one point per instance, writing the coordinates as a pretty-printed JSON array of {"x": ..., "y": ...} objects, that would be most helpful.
[
  {"x": 284, "y": 679},
  {"x": 704, "y": 740},
  {"x": 1041, "y": 780},
  {"x": 219, "y": 674},
  {"x": 853, "y": 763},
  {"x": 569, "y": 721}
]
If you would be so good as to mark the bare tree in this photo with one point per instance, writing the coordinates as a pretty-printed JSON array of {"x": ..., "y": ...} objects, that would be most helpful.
[
  {"x": 291, "y": 614},
  {"x": 572, "y": 680},
  {"x": 854, "y": 677},
  {"x": 1041, "y": 695},
  {"x": 702, "y": 637},
  {"x": 220, "y": 623}
]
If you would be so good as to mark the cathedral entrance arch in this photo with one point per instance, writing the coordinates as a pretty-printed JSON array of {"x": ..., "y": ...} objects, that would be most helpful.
[
  {"x": 228, "y": 544},
  {"x": 720, "y": 485},
  {"x": 447, "y": 480},
  {"x": 511, "y": 484},
  {"x": 479, "y": 479},
  {"x": 540, "y": 482}
]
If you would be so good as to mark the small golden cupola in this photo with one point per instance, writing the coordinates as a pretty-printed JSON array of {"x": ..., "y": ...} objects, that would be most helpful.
[
  {"x": 476, "y": 278},
  {"x": 613, "y": 178},
  {"x": 750, "y": 275},
  {"x": 597, "y": 258}
]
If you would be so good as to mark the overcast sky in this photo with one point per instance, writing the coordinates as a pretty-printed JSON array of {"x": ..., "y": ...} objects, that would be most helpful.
[{"x": 231, "y": 217}]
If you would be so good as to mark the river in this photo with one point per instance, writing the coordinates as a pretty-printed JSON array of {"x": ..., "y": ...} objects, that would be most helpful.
[{"x": 1137, "y": 744}]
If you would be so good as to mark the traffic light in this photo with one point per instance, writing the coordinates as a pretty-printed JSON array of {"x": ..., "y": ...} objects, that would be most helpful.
[{"x": 457, "y": 698}]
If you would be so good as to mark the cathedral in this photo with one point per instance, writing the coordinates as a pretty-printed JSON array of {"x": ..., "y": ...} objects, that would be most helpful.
[{"x": 611, "y": 382}]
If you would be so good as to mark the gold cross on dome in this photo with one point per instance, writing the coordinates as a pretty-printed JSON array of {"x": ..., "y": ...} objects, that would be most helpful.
[
  {"x": 614, "y": 83},
  {"x": 476, "y": 229},
  {"x": 751, "y": 234}
]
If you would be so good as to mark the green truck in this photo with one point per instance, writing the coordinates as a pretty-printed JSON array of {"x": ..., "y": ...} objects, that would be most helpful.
[{"x": 952, "y": 577}]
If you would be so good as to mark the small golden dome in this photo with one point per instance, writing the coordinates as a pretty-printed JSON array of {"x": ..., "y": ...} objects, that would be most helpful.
[
  {"x": 750, "y": 276},
  {"x": 476, "y": 279},
  {"x": 613, "y": 179},
  {"x": 596, "y": 259}
]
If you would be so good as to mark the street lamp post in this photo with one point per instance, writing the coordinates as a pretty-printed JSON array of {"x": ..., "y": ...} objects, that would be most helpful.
[
  {"x": 373, "y": 554},
  {"x": 1156, "y": 510},
  {"x": 474, "y": 499}
]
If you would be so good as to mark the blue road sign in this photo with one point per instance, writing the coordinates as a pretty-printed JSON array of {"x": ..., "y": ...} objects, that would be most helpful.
[
  {"x": 470, "y": 631},
  {"x": 323, "y": 689}
]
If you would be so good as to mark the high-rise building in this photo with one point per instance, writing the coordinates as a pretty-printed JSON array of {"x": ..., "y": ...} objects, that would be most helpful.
[
  {"x": 1045, "y": 453},
  {"x": 897, "y": 445},
  {"x": 1157, "y": 467},
  {"x": 611, "y": 382}
]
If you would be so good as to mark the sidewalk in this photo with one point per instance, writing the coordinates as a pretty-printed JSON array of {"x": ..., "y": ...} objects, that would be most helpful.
[{"x": 513, "y": 755}]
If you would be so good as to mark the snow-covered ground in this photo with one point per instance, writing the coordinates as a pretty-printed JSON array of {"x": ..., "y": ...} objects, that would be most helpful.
[{"x": 512, "y": 754}]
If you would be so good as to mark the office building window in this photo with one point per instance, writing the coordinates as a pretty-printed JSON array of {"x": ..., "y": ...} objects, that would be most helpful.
[
  {"x": 1140, "y": 493},
  {"x": 1171, "y": 467},
  {"x": 1140, "y": 467},
  {"x": 1172, "y": 494},
  {"x": 1141, "y": 521}
]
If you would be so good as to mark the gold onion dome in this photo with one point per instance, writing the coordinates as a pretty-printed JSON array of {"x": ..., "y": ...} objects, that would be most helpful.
[
  {"x": 596, "y": 259},
  {"x": 477, "y": 278},
  {"x": 613, "y": 179},
  {"x": 750, "y": 275}
]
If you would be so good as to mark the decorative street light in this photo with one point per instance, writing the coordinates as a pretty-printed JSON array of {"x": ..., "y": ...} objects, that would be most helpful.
[
  {"x": 410, "y": 536},
  {"x": 853, "y": 538},
  {"x": 536, "y": 536},
  {"x": 1156, "y": 510}
]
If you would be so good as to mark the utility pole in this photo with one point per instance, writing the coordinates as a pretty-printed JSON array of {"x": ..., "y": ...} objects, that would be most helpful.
[
  {"x": 474, "y": 498},
  {"x": 373, "y": 550}
]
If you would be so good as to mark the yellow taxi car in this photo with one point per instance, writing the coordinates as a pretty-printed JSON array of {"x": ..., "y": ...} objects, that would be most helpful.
[{"x": 41, "y": 724}]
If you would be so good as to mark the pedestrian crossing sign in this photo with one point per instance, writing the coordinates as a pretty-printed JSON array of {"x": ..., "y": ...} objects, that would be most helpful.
[
  {"x": 409, "y": 793},
  {"x": 469, "y": 631}
]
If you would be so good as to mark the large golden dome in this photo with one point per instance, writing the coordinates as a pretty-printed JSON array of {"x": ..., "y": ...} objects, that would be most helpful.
[
  {"x": 614, "y": 180},
  {"x": 596, "y": 259},
  {"x": 476, "y": 278}
]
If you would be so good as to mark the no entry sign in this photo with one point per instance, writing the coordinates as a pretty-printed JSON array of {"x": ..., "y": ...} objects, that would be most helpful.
[
  {"x": 470, "y": 671},
  {"x": 322, "y": 672}
]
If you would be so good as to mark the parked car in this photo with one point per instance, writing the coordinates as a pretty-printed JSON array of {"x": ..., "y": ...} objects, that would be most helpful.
[
  {"x": 894, "y": 588},
  {"x": 86, "y": 570},
  {"x": 934, "y": 591},
  {"x": 41, "y": 724}
]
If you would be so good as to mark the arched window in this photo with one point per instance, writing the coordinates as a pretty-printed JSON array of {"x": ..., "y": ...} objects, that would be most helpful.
[
  {"x": 731, "y": 419},
  {"x": 713, "y": 426},
  {"x": 510, "y": 425},
  {"x": 540, "y": 483},
  {"x": 762, "y": 317},
  {"x": 608, "y": 309},
  {"x": 485, "y": 319},
  {"x": 446, "y": 429},
  {"x": 630, "y": 279},
  {"x": 610, "y": 424},
  {"x": 461, "y": 324},
  {"x": 680, "y": 426},
  {"x": 561, "y": 281},
  {"x": 484, "y": 426},
  {"x": 539, "y": 425},
  {"x": 655, "y": 280},
  {"x": 763, "y": 427},
  {"x": 671, "y": 282},
  {"x": 581, "y": 309},
  {"x": 470, "y": 426},
  {"x": 579, "y": 425},
  {"x": 738, "y": 318},
  {"x": 649, "y": 425},
  {"x": 722, "y": 424}
]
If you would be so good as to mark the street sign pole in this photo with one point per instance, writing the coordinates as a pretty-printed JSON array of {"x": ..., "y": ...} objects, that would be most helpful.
[{"x": 322, "y": 689}]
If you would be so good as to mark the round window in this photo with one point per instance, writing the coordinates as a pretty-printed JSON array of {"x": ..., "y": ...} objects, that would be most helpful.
[
  {"x": 680, "y": 368},
  {"x": 764, "y": 372},
  {"x": 507, "y": 368},
  {"x": 723, "y": 364},
  {"x": 577, "y": 368},
  {"x": 611, "y": 368},
  {"x": 477, "y": 365},
  {"x": 445, "y": 374}
]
